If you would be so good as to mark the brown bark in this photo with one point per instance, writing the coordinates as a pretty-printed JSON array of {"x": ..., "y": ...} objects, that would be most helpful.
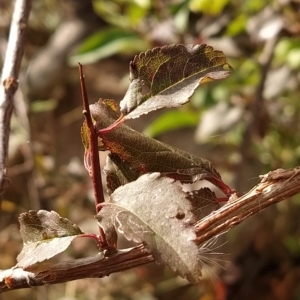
[{"x": 10, "y": 80}]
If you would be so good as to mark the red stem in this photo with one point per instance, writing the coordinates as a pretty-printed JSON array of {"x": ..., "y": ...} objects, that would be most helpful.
[{"x": 95, "y": 171}]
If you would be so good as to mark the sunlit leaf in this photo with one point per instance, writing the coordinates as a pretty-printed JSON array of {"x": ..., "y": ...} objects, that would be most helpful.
[
  {"x": 45, "y": 234},
  {"x": 171, "y": 74},
  {"x": 155, "y": 211}
]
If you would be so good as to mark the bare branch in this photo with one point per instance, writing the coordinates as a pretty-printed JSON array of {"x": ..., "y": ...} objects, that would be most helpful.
[
  {"x": 9, "y": 81},
  {"x": 274, "y": 187},
  {"x": 91, "y": 267}
]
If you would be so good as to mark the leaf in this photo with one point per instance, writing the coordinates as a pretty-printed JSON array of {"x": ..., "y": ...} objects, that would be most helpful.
[
  {"x": 105, "y": 43},
  {"x": 155, "y": 211},
  {"x": 208, "y": 6},
  {"x": 171, "y": 73},
  {"x": 45, "y": 234},
  {"x": 85, "y": 136},
  {"x": 117, "y": 173},
  {"x": 43, "y": 105},
  {"x": 204, "y": 201},
  {"x": 146, "y": 155},
  {"x": 172, "y": 120}
]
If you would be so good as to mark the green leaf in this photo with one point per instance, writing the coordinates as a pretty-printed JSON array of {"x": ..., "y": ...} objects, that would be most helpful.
[
  {"x": 137, "y": 11},
  {"x": 237, "y": 25},
  {"x": 171, "y": 74},
  {"x": 180, "y": 15},
  {"x": 119, "y": 13},
  {"x": 45, "y": 234},
  {"x": 212, "y": 7},
  {"x": 287, "y": 52},
  {"x": 43, "y": 105},
  {"x": 105, "y": 43},
  {"x": 172, "y": 120}
]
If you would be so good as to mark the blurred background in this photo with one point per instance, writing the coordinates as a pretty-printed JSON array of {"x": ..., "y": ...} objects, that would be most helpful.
[{"x": 247, "y": 125}]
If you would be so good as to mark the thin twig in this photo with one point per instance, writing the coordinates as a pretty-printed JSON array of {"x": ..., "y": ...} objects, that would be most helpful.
[
  {"x": 258, "y": 113},
  {"x": 9, "y": 81},
  {"x": 91, "y": 157},
  {"x": 92, "y": 152},
  {"x": 274, "y": 187}
]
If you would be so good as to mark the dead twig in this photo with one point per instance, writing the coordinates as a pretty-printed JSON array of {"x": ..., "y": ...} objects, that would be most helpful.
[{"x": 9, "y": 81}]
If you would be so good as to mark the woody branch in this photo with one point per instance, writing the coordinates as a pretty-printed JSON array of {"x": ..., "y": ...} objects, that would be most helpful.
[{"x": 274, "y": 187}]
